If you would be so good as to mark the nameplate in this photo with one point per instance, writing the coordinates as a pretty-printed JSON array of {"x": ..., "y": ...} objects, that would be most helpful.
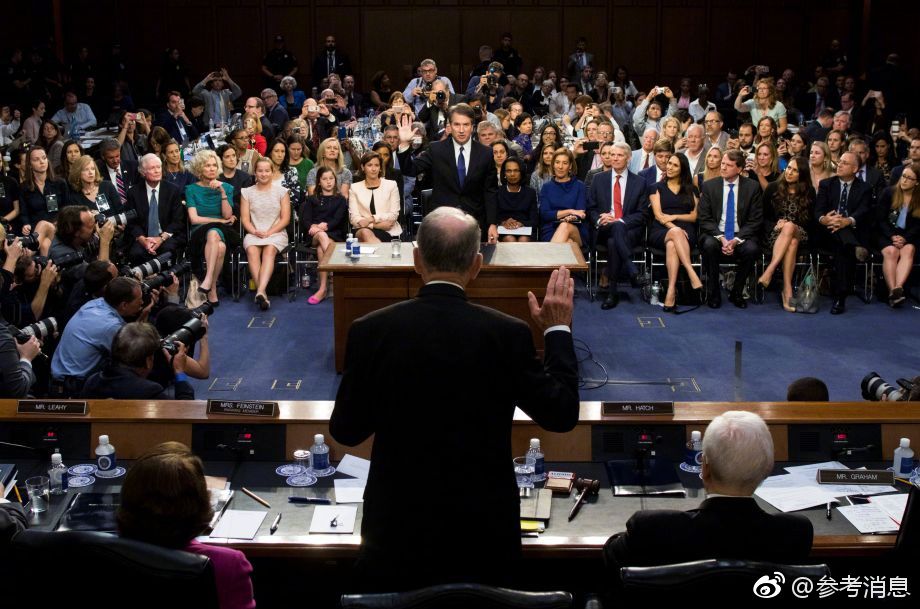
[
  {"x": 880, "y": 477},
  {"x": 64, "y": 407},
  {"x": 628, "y": 409},
  {"x": 253, "y": 409}
]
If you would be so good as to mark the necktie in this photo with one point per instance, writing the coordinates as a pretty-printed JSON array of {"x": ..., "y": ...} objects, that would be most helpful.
[
  {"x": 842, "y": 208},
  {"x": 153, "y": 216},
  {"x": 730, "y": 213},
  {"x": 120, "y": 187},
  {"x": 331, "y": 64},
  {"x": 461, "y": 168},
  {"x": 647, "y": 157},
  {"x": 617, "y": 200},
  {"x": 862, "y": 175}
]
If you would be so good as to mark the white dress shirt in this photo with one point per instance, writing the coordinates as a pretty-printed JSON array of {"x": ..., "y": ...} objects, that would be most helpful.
[
  {"x": 624, "y": 177},
  {"x": 466, "y": 153}
]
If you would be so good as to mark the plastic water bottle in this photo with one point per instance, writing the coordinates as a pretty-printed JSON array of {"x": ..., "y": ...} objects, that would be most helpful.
[
  {"x": 320, "y": 455},
  {"x": 349, "y": 242},
  {"x": 105, "y": 455},
  {"x": 903, "y": 458},
  {"x": 655, "y": 294},
  {"x": 211, "y": 125},
  {"x": 539, "y": 471},
  {"x": 694, "y": 455},
  {"x": 58, "y": 474}
]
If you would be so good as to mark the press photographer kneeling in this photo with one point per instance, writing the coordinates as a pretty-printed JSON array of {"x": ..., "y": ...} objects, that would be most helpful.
[
  {"x": 133, "y": 350},
  {"x": 77, "y": 242}
]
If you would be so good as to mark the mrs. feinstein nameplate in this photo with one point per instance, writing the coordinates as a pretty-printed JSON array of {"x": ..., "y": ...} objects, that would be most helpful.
[{"x": 251, "y": 409}]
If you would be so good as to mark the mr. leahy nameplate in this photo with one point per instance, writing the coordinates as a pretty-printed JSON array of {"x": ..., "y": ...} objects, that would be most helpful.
[
  {"x": 628, "y": 409},
  {"x": 62, "y": 407},
  {"x": 253, "y": 409},
  {"x": 880, "y": 477}
]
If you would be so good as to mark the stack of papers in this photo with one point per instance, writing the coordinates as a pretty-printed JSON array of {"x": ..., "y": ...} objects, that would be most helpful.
[
  {"x": 238, "y": 524},
  {"x": 351, "y": 490},
  {"x": 800, "y": 490},
  {"x": 868, "y": 518}
]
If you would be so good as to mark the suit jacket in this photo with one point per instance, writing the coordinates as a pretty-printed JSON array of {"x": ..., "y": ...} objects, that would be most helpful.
[
  {"x": 321, "y": 66},
  {"x": 12, "y": 521},
  {"x": 723, "y": 143},
  {"x": 431, "y": 114},
  {"x": 470, "y": 366},
  {"x": 635, "y": 199},
  {"x": 128, "y": 172},
  {"x": 808, "y": 102},
  {"x": 120, "y": 383},
  {"x": 884, "y": 220},
  {"x": 876, "y": 181},
  {"x": 386, "y": 204},
  {"x": 169, "y": 122},
  {"x": 722, "y": 527},
  {"x": 476, "y": 197},
  {"x": 748, "y": 208},
  {"x": 573, "y": 68},
  {"x": 859, "y": 199},
  {"x": 637, "y": 159},
  {"x": 171, "y": 211},
  {"x": 650, "y": 176}
]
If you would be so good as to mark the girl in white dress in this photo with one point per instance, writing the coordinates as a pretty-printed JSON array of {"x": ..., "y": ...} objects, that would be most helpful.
[{"x": 265, "y": 210}]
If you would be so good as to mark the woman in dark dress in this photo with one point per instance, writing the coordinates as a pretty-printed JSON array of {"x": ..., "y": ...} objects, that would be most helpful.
[
  {"x": 233, "y": 176},
  {"x": 87, "y": 188},
  {"x": 562, "y": 203},
  {"x": 516, "y": 203},
  {"x": 788, "y": 205},
  {"x": 41, "y": 197},
  {"x": 324, "y": 215},
  {"x": 898, "y": 231},
  {"x": 674, "y": 204}
]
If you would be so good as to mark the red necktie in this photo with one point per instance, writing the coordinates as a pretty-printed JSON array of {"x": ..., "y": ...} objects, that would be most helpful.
[
  {"x": 647, "y": 157},
  {"x": 617, "y": 200},
  {"x": 120, "y": 187}
]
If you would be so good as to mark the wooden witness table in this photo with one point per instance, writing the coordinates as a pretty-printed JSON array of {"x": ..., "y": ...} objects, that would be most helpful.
[{"x": 510, "y": 270}]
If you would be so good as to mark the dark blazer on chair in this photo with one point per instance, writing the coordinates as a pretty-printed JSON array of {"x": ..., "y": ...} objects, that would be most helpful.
[
  {"x": 470, "y": 366},
  {"x": 635, "y": 199},
  {"x": 722, "y": 527},
  {"x": 859, "y": 199},
  {"x": 128, "y": 172},
  {"x": 748, "y": 208},
  {"x": 650, "y": 175},
  {"x": 476, "y": 197},
  {"x": 172, "y": 212}
]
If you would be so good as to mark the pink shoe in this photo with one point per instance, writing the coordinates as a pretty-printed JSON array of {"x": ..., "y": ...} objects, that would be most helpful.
[{"x": 313, "y": 300}]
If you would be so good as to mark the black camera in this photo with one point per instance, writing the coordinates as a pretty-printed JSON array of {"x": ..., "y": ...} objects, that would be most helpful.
[
  {"x": 205, "y": 308},
  {"x": 181, "y": 268},
  {"x": 492, "y": 81},
  {"x": 29, "y": 241},
  {"x": 151, "y": 267},
  {"x": 68, "y": 260},
  {"x": 190, "y": 332},
  {"x": 41, "y": 330},
  {"x": 120, "y": 219},
  {"x": 441, "y": 96},
  {"x": 155, "y": 282},
  {"x": 876, "y": 389},
  {"x": 426, "y": 86}
]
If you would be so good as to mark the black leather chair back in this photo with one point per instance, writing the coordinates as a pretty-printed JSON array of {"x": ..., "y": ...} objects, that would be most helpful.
[
  {"x": 908, "y": 544},
  {"x": 459, "y": 596},
  {"x": 82, "y": 569}
]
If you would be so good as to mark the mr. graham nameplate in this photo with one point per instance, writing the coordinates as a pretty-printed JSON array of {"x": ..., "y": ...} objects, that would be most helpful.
[
  {"x": 629, "y": 409},
  {"x": 61, "y": 407},
  {"x": 252, "y": 409},
  {"x": 856, "y": 476}
]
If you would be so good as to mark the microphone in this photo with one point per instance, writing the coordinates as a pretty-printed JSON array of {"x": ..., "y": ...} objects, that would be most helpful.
[{"x": 850, "y": 451}]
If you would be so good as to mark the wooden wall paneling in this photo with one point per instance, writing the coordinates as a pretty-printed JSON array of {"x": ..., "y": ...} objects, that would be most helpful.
[
  {"x": 829, "y": 19},
  {"x": 571, "y": 446},
  {"x": 634, "y": 31},
  {"x": 780, "y": 34},
  {"x": 590, "y": 22},
  {"x": 132, "y": 440},
  {"x": 242, "y": 61},
  {"x": 728, "y": 48},
  {"x": 535, "y": 37},
  {"x": 386, "y": 46},
  {"x": 680, "y": 43},
  {"x": 892, "y": 434},
  {"x": 433, "y": 34},
  {"x": 300, "y": 435},
  {"x": 343, "y": 22},
  {"x": 294, "y": 23},
  {"x": 478, "y": 27}
]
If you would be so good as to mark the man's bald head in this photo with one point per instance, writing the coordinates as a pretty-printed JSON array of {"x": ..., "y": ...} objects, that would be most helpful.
[{"x": 448, "y": 241}]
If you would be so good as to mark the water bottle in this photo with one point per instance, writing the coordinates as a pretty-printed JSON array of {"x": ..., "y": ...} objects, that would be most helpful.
[
  {"x": 320, "y": 455},
  {"x": 57, "y": 474},
  {"x": 305, "y": 279},
  {"x": 211, "y": 125},
  {"x": 656, "y": 292},
  {"x": 539, "y": 471},
  {"x": 693, "y": 459},
  {"x": 903, "y": 458},
  {"x": 105, "y": 455},
  {"x": 349, "y": 242}
]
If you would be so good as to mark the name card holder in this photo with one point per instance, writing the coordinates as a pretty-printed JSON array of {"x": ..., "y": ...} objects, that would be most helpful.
[
  {"x": 630, "y": 409},
  {"x": 246, "y": 408},
  {"x": 878, "y": 477},
  {"x": 54, "y": 407}
]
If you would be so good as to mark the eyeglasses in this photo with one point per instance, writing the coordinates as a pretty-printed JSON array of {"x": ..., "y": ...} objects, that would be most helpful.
[
  {"x": 429, "y": 70},
  {"x": 712, "y": 121},
  {"x": 908, "y": 178}
]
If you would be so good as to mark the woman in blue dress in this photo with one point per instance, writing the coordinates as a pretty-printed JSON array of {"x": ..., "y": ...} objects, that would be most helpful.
[{"x": 562, "y": 203}]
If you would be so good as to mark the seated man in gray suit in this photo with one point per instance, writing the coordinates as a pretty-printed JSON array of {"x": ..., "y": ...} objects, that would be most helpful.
[{"x": 729, "y": 524}]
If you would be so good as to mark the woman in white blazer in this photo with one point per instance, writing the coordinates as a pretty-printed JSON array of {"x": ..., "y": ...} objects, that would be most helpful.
[{"x": 373, "y": 204}]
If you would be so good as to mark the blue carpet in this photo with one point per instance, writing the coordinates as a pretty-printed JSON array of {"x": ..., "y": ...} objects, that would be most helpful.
[{"x": 648, "y": 355}]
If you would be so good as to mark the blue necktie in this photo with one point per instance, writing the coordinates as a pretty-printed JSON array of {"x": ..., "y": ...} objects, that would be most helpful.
[
  {"x": 842, "y": 207},
  {"x": 461, "y": 168},
  {"x": 730, "y": 213},
  {"x": 153, "y": 216}
]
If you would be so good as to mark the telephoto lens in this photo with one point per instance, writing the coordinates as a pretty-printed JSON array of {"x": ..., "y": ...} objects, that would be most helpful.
[
  {"x": 68, "y": 260},
  {"x": 181, "y": 268},
  {"x": 875, "y": 388},
  {"x": 191, "y": 331},
  {"x": 120, "y": 219},
  {"x": 29, "y": 241},
  {"x": 151, "y": 267},
  {"x": 41, "y": 330},
  {"x": 204, "y": 308}
]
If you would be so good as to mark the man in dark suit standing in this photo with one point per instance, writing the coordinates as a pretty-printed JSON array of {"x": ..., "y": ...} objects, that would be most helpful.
[
  {"x": 737, "y": 456},
  {"x": 174, "y": 120},
  {"x": 329, "y": 61},
  {"x": 471, "y": 366},
  {"x": 730, "y": 216},
  {"x": 122, "y": 173},
  {"x": 618, "y": 208},
  {"x": 462, "y": 171},
  {"x": 843, "y": 204},
  {"x": 160, "y": 223}
]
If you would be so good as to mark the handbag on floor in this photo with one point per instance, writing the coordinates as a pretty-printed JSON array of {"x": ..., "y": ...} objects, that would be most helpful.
[{"x": 806, "y": 300}]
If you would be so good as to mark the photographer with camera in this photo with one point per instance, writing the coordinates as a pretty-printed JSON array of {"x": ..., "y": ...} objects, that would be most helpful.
[
  {"x": 16, "y": 375},
  {"x": 33, "y": 294},
  {"x": 177, "y": 323},
  {"x": 492, "y": 85},
  {"x": 417, "y": 89},
  {"x": 87, "y": 339},
  {"x": 96, "y": 276},
  {"x": 79, "y": 240},
  {"x": 125, "y": 377},
  {"x": 434, "y": 114}
]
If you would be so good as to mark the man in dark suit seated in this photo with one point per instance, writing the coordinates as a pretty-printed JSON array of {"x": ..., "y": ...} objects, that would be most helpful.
[
  {"x": 870, "y": 175},
  {"x": 730, "y": 216},
  {"x": 125, "y": 377},
  {"x": 462, "y": 171},
  {"x": 471, "y": 365},
  {"x": 174, "y": 120},
  {"x": 737, "y": 456},
  {"x": 122, "y": 173},
  {"x": 618, "y": 207},
  {"x": 817, "y": 131},
  {"x": 842, "y": 206},
  {"x": 160, "y": 223},
  {"x": 662, "y": 150}
]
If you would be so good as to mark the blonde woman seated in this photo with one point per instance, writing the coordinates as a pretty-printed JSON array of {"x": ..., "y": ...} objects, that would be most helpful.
[
  {"x": 373, "y": 204},
  {"x": 265, "y": 211}
]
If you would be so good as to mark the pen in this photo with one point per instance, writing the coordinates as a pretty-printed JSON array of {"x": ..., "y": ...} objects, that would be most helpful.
[
  {"x": 319, "y": 500},
  {"x": 828, "y": 510},
  {"x": 256, "y": 497},
  {"x": 275, "y": 524}
]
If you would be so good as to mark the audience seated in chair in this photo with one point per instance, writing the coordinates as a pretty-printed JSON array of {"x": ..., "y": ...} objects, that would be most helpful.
[
  {"x": 563, "y": 203},
  {"x": 898, "y": 231},
  {"x": 265, "y": 212},
  {"x": 324, "y": 214},
  {"x": 373, "y": 204},
  {"x": 516, "y": 203}
]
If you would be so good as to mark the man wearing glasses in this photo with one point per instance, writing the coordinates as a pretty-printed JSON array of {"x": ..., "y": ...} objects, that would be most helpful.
[
  {"x": 416, "y": 92},
  {"x": 714, "y": 134},
  {"x": 275, "y": 112}
]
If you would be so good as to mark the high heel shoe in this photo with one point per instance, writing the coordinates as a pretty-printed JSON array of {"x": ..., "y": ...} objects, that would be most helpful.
[
  {"x": 764, "y": 283},
  {"x": 786, "y": 304},
  {"x": 262, "y": 302},
  {"x": 669, "y": 309}
]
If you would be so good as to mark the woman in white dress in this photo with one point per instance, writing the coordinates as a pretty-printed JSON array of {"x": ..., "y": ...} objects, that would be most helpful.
[{"x": 265, "y": 210}]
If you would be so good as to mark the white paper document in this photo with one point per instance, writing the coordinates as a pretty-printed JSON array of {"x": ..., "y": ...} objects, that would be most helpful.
[
  {"x": 238, "y": 524},
  {"x": 788, "y": 493},
  {"x": 351, "y": 465},
  {"x": 349, "y": 491},
  {"x": 868, "y": 518},
  {"x": 893, "y": 505},
  {"x": 524, "y": 231},
  {"x": 809, "y": 474},
  {"x": 334, "y": 519}
]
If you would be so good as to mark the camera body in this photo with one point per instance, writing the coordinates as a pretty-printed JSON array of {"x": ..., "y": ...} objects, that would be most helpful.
[
  {"x": 120, "y": 219},
  {"x": 29, "y": 241},
  {"x": 190, "y": 332},
  {"x": 876, "y": 389},
  {"x": 441, "y": 96},
  {"x": 69, "y": 260}
]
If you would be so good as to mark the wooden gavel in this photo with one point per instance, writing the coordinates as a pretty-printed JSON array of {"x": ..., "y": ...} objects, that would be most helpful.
[{"x": 585, "y": 486}]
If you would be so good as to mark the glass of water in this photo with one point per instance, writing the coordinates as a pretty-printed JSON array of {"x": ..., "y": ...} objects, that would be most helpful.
[
  {"x": 396, "y": 244},
  {"x": 39, "y": 489},
  {"x": 302, "y": 458},
  {"x": 523, "y": 471}
]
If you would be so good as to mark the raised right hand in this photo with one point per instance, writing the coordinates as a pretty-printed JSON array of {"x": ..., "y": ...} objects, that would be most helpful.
[
  {"x": 405, "y": 129},
  {"x": 557, "y": 304}
]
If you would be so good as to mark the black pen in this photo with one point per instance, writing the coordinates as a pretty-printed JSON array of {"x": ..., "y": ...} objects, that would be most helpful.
[
  {"x": 275, "y": 524},
  {"x": 828, "y": 510},
  {"x": 318, "y": 500}
]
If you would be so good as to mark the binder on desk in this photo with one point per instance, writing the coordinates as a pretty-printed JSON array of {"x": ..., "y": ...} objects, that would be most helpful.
[
  {"x": 91, "y": 512},
  {"x": 537, "y": 506},
  {"x": 658, "y": 478}
]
